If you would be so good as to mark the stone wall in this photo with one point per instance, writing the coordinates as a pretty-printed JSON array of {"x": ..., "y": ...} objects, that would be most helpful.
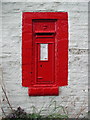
[{"x": 73, "y": 97}]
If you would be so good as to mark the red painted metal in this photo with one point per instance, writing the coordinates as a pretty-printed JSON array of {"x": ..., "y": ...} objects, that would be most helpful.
[
  {"x": 44, "y": 76},
  {"x": 45, "y": 68},
  {"x": 42, "y": 91}
]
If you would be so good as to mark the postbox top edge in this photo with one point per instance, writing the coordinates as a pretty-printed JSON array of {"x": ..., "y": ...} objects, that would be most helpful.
[
  {"x": 52, "y": 13},
  {"x": 46, "y": 12},
  {"x": 45, "y": 15}
]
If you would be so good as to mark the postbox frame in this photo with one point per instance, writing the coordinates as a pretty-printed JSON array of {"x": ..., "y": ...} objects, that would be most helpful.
[{"x": 61, "y": 42}]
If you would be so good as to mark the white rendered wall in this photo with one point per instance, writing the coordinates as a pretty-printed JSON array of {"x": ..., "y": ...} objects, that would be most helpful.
[{"x": 73, "y": 97}]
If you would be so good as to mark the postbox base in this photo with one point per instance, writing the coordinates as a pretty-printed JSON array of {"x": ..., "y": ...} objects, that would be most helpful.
[{"x": 43, "y": 91}]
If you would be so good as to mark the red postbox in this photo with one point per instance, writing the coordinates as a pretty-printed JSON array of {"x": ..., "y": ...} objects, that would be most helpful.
[{"x": 44, "y": 52}]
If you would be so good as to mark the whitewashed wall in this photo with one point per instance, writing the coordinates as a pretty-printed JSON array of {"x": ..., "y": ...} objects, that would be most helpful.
[{"x": 73, "y": 97}]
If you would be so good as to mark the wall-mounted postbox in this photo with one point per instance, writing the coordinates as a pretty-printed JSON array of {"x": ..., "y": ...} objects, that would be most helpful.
[{"x": 44, "y": 52}]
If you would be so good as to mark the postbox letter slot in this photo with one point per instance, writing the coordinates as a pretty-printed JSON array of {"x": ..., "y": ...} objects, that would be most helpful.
[{"x": 44, "y": 33}]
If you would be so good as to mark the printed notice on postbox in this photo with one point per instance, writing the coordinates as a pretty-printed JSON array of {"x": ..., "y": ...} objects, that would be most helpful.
[{"x": 43, "y": 51}]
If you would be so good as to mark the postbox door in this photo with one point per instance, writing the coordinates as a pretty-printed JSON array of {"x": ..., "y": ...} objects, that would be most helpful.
[{"x": 45, "y": 63}]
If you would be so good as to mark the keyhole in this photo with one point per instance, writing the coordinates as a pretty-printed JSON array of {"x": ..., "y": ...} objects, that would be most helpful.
[{"x": 40, "y": 65}]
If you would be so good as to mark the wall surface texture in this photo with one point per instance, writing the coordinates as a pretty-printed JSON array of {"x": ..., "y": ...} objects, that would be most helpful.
[{"x": 74, "y": 97}]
